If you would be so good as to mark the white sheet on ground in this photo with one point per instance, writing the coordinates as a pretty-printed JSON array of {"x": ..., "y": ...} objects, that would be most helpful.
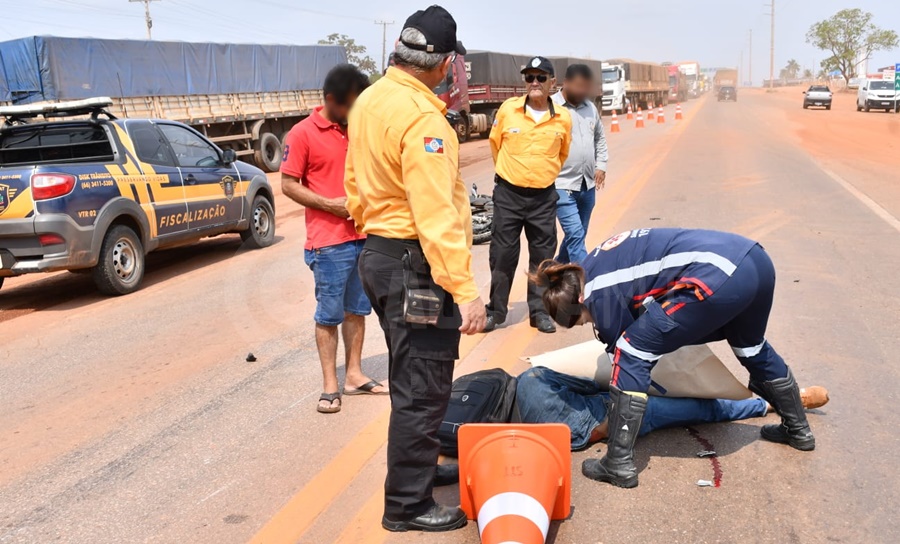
[{"x": 692, "y": 371}]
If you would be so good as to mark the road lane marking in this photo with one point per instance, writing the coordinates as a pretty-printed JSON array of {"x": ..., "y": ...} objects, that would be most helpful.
[
  {"x": 876, "y": 208},
  {"x": 292, "y": 521}
]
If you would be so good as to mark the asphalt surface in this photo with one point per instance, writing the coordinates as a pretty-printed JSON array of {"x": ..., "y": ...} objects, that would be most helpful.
[{"x": 138, "y": 419}]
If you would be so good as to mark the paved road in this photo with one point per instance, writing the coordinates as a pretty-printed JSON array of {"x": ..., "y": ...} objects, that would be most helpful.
[{"x": 138, "y": 419}]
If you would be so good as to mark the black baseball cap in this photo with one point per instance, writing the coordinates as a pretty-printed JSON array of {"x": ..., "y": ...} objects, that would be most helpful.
[
  {"x": 439, "y": 29},
  {"x": 539, "y": 63}
]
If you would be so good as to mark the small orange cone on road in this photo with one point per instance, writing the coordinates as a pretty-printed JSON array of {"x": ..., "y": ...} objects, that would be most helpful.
[
  {"x": 661, "y": 116},
  {"x": 650, "y": 111},
  {"x": 678, "y": 115},
  {"x": 515, "y": 479},
  {"x": 614, "y": 126},
  {"x": 640, "y": 119},
  {"x": 630, "y": 113}
]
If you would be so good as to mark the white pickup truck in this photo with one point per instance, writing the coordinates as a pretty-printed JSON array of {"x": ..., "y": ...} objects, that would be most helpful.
[{"x": 817, "y": 95}]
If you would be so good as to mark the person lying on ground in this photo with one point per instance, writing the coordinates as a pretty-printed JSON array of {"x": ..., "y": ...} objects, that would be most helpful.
[
  {"x": 649, "y": 292},
  {"x": 544, "y": 395}
]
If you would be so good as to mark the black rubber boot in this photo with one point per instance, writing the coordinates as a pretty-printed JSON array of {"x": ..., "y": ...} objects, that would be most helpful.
[
  {"x": 625, "y": 418},
  {"x": 784, "y": 396}
]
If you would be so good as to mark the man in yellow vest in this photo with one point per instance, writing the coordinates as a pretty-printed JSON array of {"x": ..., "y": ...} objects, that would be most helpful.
[{"x": 530, "y": 142}]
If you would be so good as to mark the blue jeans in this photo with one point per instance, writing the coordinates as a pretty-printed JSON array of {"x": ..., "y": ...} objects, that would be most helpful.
[
  {"x": 339, "y": 290},
  {"x": 573, "y": 209},
  {"x": 546, "y": 396}
]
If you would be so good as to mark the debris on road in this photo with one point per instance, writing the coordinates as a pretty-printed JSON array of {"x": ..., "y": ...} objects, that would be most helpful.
[
  {"x": 704, "y": 483},
  {"x": 706, "y": 453},
  {"x": 251, "y": 358}
]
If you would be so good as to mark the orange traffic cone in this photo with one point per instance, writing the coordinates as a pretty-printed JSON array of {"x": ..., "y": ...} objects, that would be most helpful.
[
  {"x": 678, "y": 115},
  {"x": 640, "y": 119},
  {"x": 514, "y": 479},
  {"x": 661, "y": 116},
  {"x": 614, "y": 126},
  {"x": 650, "y": 111},
  {"x": 630, "y": 113}
]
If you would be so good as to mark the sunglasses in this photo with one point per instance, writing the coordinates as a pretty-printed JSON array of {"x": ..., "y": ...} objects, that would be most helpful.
[{"x": 529, "y": 78}]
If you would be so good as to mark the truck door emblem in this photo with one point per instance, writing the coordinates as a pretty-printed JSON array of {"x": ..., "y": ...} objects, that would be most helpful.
[
  {"x": 7, "y": 194},
  {"x": 227, "y": 185}
]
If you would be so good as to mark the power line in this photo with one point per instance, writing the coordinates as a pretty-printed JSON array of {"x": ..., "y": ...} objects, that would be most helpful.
[
  {"x": 772, "y": 49},
  {"x": 147, "y": 15}
]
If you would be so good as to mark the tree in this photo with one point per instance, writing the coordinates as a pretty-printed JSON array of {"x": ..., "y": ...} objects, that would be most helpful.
[
  {"x": 851, "y": 38},
  {"x": 356, "y": 54},
  {"x": 807, "y": 74},
  {"x": 792, "y": 70}
]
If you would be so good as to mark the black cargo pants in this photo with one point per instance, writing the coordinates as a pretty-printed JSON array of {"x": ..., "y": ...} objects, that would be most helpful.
[
  {"x": 421, "y": 359},
  {"x": 517, "y": 209}
]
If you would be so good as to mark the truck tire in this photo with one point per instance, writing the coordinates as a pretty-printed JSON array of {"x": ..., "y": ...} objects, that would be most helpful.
[
  {"x": 463, "y": 129},
  {"x": 1, "y": 283},
  {"x": 268, "y": 152},
  {"x": 120, "y": 269},
  {"x": 866, "y": 108},
  {"x": 261, "y": 231}
]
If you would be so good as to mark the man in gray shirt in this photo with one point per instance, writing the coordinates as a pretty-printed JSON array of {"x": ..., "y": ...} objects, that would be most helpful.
[{"x": 585, "y": 169}]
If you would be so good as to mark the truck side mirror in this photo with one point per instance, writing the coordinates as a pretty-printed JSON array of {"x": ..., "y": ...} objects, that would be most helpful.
[{"x": 229, "y": 157}]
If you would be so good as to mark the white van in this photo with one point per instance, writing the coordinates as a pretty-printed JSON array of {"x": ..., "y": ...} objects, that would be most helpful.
[{"x": 877, "y": 94}]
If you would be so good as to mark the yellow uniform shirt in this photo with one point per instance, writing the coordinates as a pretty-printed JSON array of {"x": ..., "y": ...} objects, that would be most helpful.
[
  {"x": 402, "y": 177},
  {"x": 528, "y": 153}
]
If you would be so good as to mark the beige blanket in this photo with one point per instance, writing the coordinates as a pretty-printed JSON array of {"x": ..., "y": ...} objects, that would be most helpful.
[{"x": 692, "y": 371}]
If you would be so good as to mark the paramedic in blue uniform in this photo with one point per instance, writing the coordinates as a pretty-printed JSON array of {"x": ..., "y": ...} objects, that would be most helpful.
[{"x": 649, "y": 292}]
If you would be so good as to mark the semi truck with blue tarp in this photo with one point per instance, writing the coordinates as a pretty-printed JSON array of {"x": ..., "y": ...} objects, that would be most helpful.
[{"x": 244, "y": 97}]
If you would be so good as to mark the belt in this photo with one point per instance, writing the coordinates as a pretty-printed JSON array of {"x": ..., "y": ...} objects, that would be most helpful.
[
  {"x": 392, "y": 247},
  {"x": 524, "y": 191}
]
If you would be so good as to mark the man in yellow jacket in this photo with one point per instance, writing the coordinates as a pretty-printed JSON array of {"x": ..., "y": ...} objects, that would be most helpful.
[
  {"x": 530, "y": 142},
  {"x": 404, "y": 192}
]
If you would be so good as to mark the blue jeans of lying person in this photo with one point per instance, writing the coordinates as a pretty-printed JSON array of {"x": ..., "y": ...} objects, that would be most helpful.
[{"x": 546, "y": 396}]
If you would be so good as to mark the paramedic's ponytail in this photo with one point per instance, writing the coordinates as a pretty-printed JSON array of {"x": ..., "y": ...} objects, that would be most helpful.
[{"x": 563, "y": 284}]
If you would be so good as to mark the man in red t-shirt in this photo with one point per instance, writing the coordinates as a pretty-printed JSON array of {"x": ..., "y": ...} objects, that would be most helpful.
[{"x": 312, "y": 174}]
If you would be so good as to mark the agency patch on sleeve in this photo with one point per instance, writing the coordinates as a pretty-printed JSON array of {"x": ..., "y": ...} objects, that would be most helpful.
[{"x": 434, "y": 145}]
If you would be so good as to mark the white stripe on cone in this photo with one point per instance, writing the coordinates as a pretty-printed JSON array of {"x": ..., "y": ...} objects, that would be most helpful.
[{"x": 517, "y": 504}]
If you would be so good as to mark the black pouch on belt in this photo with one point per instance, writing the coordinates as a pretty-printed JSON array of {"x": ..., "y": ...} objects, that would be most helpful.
[{"x": 423, "y": 299}]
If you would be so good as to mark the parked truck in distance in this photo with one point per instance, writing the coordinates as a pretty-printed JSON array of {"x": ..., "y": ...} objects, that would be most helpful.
[
  {"x": 636, "y": 83},
  {"x": 725, "y": 78},
  {"x": 242, "y": 97},
  {"x": 691, "y": 71},
  {"x": 678, "y": 87}
]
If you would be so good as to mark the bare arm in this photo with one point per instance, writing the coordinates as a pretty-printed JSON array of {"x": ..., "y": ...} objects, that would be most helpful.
[{"x": 294, "y": 189}]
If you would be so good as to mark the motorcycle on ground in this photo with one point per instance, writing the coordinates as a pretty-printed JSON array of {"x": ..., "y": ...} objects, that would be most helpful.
[{"x": 482, "y": 216}]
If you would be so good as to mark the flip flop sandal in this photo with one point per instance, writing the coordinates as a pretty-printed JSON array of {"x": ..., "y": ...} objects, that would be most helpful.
[
  {"x": 367, "y": 389},
  {"x": 329, "y": 398}
]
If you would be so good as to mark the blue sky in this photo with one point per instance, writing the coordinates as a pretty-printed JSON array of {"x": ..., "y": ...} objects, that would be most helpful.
[{"x": 713, "y": 32}]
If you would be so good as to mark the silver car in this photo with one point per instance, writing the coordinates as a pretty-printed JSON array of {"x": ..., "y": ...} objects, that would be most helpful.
[{"x": 817, "y": 95}]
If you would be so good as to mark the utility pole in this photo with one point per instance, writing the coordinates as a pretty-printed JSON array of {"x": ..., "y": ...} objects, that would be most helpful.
[
  {"x": 384, "y": 25},
  {"x": 740, "y": 82},
  {"x": 772, "y": 49},
  {"x": 147, "y": 15},
  {"x": 750, "y": 59}
]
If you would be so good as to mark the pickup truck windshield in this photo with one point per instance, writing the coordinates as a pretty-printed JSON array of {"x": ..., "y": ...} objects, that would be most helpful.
[
  {"x": 49, "y": 144},
  {"x": 881, "y": 85}
]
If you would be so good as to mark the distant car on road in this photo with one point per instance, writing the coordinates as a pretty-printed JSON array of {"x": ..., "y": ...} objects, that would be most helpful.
[
  {"x": 817, "y": 95},
  {"x": 875, "y": 94},
  {"x": 727, "y": 92},
  {"x": 99, "y": 193}
]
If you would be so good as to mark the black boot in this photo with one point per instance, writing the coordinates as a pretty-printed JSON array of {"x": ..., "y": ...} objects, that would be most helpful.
[
  {"x": 617, "y": 466},
  {"x": 784, "y": 396}
]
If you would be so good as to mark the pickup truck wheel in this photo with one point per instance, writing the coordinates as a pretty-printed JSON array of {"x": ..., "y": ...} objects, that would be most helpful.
[
  {"x": 121, "y": 266},
  {"x": 261, "y": 232},
  {"x": 1, "y": 283},
  {"x": 268, "y": 152}
]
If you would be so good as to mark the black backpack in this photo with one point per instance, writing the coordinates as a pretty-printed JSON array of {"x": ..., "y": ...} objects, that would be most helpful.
[{"x": 486, "y": 396}]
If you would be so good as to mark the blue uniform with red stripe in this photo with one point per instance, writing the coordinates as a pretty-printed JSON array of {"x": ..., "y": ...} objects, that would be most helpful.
[{"x": 652, "y": 291}]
